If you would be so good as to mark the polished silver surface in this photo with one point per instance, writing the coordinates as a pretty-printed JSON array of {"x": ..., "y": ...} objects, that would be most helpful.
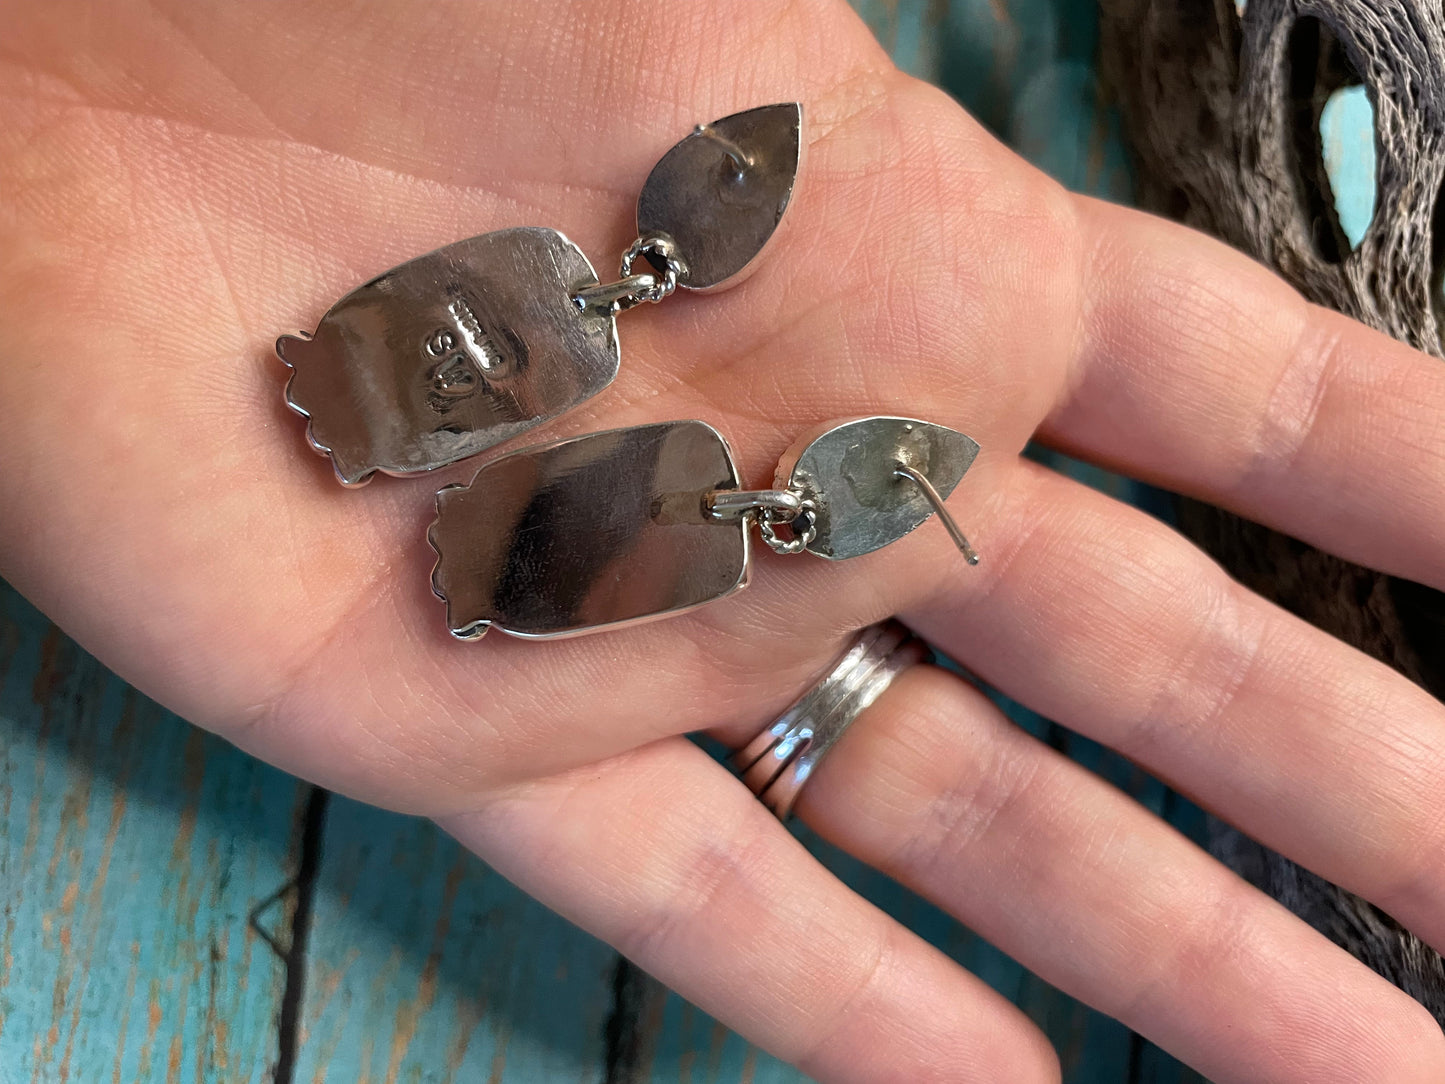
[
  {"x": 720, "y": 193},
  {"x": 588, "y": 533},
  {"x": 782, "y": 758},
  {"x": 466, "y": 347},
  {"x": 732, "y": 504},
  {"x": 451, "y": 354},
  {"x": 610, "y": 298},
  {"x": 849, "y": 471}
]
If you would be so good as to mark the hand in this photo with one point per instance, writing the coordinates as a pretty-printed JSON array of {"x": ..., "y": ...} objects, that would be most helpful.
[{"x": 182, "y": 181}]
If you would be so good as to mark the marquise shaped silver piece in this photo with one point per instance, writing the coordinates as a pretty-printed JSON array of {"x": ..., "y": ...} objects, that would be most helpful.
[{"x": 849, "y": 471}]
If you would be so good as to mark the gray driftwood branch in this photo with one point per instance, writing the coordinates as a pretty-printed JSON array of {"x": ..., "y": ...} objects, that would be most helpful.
[{"x": 1223, "y": 111}]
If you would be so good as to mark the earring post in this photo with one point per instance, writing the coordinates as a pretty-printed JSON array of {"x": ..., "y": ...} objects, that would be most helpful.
[
  {"x": 742, "y": 161},
  {"x": 903, "y": 470}
]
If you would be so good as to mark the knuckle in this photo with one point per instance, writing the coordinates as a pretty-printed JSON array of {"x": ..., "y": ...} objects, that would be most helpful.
[
  {"x": 719, "y": 866},
  {"x": 1202, "y": 668},
  {"x": 1368, "y": 1032},
  {"x": 968, "y": 808},
  {"x": 949, "y": 1051},
  {"x": 1213, "y": 935},
  {"x": 819, "y": 1053},
  {"x": 1291, "y": 411}
]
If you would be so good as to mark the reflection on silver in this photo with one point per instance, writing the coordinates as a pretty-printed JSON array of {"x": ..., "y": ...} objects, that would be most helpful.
[
  {"x": 600, "y": 530},
  {"x": 784, "y": 755},
  {"x": 450, "y": 354},
  {"x": 850, "y": 471},
  {"x": 720, "y": 193},
  {"x": 734, "y": 504}
]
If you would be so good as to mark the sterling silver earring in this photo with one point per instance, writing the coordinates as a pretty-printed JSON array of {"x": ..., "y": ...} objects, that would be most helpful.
[
  {"x": 613, "y": 528},
  {"x": 459, "y": 350}
]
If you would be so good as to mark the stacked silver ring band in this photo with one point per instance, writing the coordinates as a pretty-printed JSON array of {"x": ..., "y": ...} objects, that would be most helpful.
[{"x": 777, "y": 762}]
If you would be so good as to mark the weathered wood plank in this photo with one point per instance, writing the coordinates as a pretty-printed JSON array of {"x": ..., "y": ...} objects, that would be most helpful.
[
  {"x": 424, "y": 966},
  {"x": 132, "y": 849}
]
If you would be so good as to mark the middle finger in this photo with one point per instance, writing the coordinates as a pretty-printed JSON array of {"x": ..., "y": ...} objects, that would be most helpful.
[{"x": 1108, "y": 621}]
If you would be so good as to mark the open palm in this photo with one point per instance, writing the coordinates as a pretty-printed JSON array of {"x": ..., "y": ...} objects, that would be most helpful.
[{"x": 181, "y": 181}]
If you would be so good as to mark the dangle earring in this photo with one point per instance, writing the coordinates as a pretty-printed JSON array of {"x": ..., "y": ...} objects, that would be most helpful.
[
  {"x": 459, "y": 350},
  {"x": 613, "y": 528}
]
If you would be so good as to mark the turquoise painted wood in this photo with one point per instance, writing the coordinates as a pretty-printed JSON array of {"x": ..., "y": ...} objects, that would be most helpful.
[
  {"x": 1025, "y": 68},
  {"x": 422, "y": 965},
  {"x": 153, "y": 927},
  {"x": 133, "y": 849}
]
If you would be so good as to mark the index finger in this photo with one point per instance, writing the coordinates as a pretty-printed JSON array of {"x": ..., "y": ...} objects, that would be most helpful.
[{"x": 1198, "y": 370}]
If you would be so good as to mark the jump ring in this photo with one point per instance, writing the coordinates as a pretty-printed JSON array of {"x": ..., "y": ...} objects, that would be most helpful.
[{"x": 661, "y": 246}]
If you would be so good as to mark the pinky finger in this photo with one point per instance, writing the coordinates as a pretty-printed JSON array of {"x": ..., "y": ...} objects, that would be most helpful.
[{"x": 666, "y": 856}]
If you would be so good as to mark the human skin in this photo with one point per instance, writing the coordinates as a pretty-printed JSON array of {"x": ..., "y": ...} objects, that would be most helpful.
[{"x": 181, "y": 181}]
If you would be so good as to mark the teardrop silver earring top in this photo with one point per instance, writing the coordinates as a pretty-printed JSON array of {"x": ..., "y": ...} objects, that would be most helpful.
[{"x": 721, "y": 192}]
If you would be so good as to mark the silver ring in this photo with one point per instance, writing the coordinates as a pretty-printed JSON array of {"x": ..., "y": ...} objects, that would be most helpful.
[{"x": 783, "y": 756}]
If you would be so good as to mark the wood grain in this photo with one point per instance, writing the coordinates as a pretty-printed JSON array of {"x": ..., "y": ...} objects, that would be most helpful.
[
  {"x": 133, "y": 849},
  {"x": 423, "y": 965}
]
